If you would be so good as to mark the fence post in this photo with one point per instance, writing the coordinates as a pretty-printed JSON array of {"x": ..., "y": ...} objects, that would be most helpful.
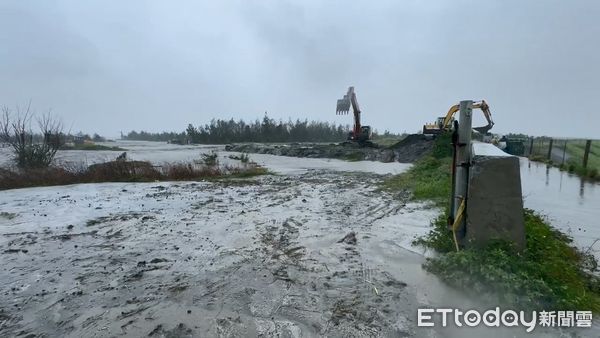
[
  {"x": 550, "y": 149},
  {"x": 531, "y": 147},
  {"x": 586, "y": 154},
  {"x": 564, "y": 152}
]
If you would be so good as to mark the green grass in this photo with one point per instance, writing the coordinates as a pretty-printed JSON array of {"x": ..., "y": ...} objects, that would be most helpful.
[
  {"x": 429, "y": 177},
  {"x": 549, "y": 274},
  {"x": 575, "y": 150}
]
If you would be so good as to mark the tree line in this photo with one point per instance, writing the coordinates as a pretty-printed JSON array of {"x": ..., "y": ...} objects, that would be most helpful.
[{"x": 268, "y": 130}]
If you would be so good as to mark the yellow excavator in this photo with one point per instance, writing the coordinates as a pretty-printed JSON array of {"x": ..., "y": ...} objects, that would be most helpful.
[{"x": 445, "y": 122}]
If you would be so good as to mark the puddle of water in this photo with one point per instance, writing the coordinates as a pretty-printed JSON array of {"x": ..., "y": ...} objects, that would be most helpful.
[
  {"x": 295, "y": 165},
  {"x": 571, "y": 203}
]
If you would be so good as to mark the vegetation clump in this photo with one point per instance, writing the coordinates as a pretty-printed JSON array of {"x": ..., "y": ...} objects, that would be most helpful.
[
  {"x": 30, "y": 149},
  {"x": 244, "y": 158},
  {"x": 210, "y": 159},
  {"x": 90, "y": 147},
  {"x": 549, "y": 274},
  {"x": 122, "y": 171}
]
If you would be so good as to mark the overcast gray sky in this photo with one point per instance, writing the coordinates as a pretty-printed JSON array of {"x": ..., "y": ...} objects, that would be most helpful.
[{"x": 110, "y": 66}]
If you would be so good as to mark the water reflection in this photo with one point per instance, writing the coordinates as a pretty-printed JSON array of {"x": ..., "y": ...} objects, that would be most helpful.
[{"x": 570, "y": 202}]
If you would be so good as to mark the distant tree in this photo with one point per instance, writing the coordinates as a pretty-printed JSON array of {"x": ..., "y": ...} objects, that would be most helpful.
[
  {"x": 98, "y": 138},
  {"x": 265, "y": 130}
]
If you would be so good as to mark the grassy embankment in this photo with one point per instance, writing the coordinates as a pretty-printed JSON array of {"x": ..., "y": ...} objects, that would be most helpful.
[
  {"x": 128, "y": 171},
  {"x": 549, "y": 274},
  {"x": 575, "y": 151}
]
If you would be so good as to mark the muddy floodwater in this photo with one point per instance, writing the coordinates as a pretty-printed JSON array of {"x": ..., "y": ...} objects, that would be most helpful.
[
  {"x": 314, "y": 250},
  {"x": 257, "y": 257}
]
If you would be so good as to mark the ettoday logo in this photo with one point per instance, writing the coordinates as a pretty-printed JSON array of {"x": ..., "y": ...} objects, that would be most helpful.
[{"x": 507, "y": 318}]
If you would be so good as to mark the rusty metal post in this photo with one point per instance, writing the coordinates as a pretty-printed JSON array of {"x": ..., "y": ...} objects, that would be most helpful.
[
  {"x": 463, "y": 161},
  {"x": 586, "y": 153},
  {"x": 550, "y": 149}
]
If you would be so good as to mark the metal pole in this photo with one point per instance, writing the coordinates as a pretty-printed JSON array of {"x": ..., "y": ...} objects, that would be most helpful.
[
  {"x": 463, "y": 161},
  {"x": 550, "y": 149},
  {"x": 586, "y": 153}
]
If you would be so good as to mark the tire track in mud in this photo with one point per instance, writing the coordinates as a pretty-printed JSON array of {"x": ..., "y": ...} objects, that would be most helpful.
[{"x": 258, "y": 258}]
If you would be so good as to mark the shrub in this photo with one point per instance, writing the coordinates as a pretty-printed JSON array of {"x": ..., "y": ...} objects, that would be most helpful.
[
  {"x": 30, "y": 150},
  {"x": 119, "y": 171},
  {"x": 186, "y": 171},
  {"x": 122, "y": 171},
  {"x": 210, "y": 159}
]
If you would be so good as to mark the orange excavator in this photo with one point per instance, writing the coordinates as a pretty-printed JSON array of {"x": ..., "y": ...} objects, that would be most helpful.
[
  {"x": 361, "y": 134},
  {"x": 445, "y": 122}
]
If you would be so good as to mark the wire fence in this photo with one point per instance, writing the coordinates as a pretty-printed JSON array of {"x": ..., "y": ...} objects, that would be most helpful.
[{"x": 572, "y": 154}]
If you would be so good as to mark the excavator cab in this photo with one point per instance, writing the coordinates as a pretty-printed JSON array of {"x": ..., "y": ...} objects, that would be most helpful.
[
  {"x": 365, "y": 134},
  {"x": 444, "y": 123}
]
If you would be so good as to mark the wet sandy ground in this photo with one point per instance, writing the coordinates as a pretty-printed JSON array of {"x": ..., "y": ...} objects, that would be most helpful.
[{"x": 258, "y": 257}]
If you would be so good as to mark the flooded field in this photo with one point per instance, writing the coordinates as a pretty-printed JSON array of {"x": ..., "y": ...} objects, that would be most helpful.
[{"x": 571, "y": 203}]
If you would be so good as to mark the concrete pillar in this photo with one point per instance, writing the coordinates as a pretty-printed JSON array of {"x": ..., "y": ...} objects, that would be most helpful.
[{"x": 495, "y": 208}]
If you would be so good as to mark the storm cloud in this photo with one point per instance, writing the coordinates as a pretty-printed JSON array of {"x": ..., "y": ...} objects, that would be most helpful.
[{"x": 110, "y": 66}]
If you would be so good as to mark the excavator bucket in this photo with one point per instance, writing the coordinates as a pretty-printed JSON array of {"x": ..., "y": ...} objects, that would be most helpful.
[
  {"x": 484, "y": 129},
  {"x": 343, "y": 106}
]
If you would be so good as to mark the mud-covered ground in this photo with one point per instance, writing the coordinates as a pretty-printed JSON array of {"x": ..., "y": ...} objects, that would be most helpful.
[
  {"x": 257, "y": 257},
  {"x": 315, "y": 253},
  {"x": 408, "y": 150}
]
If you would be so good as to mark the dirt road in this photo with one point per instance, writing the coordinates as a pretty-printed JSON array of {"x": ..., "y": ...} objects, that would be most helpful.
[{"x": 260, "y": 257}]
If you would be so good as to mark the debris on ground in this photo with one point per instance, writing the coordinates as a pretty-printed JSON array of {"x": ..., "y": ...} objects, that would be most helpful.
[{"x": 350, "y": 238}]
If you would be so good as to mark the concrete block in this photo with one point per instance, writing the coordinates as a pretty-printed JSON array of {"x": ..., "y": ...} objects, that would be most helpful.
[{"x": 495, "y": 201}]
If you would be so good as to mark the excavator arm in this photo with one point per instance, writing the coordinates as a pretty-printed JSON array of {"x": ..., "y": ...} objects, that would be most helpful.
[
  {"x": 343, "y": 107},
  {"x": 485, "y": 108}
]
